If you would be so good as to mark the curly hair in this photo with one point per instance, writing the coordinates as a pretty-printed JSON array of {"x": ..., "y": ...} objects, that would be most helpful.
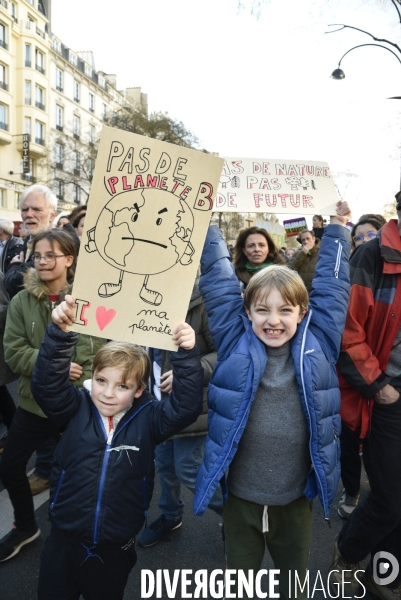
[{"x": 240, "y": 260}]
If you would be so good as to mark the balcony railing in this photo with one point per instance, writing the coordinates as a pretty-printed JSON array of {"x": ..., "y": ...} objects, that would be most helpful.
[
  {"x": 39, "y": 105},
  {"x": 4, "y": 126},
  {"x": 28, "y": 177},
  {"x": 76, "y": 136},
  {"x": 27, "y": 100},
  {"x": 59, "y": 88},
  {"x": 14, "y": 19},
  {"x": 60, "y": 166},
  {"x": 40, "y": 69},
  {"x": 76, "y": 99},
  {"x": 3, "y": 44},
  {"x": 4, "y": 86},
  {"x": 91, "y": 109},
  {"x": 28, "y": 63},
  {"x": 59, "y": 127},
  {"x": 77, "y": 172},
  {"x": 40, "y": 141},
  {"x": 41, "y": 33}
]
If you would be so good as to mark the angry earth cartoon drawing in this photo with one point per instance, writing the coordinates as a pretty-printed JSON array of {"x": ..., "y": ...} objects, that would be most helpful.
[{"x": 144, "y": 232}]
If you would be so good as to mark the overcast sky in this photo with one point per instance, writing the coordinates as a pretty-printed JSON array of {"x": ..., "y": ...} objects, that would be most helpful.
[{"x": 259, "y": 88}]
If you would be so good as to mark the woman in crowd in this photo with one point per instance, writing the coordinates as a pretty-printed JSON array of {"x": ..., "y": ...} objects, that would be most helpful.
[
  {"x": 79, "y": 224},
  {"x": 254, "y": 250},
  {"x": 318, "y": 226}
]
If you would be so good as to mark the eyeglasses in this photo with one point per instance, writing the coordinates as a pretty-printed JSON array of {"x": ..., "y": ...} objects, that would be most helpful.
[
  {"x": 368, "y": 236},
  {"x": 48, "y": 258}
]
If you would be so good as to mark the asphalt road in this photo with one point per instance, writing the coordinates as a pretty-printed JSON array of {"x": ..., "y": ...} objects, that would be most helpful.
[{"x": 196, "y": 545}]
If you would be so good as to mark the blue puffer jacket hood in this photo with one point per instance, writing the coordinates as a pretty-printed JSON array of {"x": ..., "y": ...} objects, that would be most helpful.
[{"x": 242, "y": 361}]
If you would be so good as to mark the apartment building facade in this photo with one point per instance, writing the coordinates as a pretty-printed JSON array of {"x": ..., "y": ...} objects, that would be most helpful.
[{"x": 53, "y": 104}]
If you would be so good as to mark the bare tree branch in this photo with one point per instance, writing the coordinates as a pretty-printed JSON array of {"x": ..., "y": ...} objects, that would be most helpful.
[
  {"x": 397, "y": 9},
  {"x": 341, "y": 26}
]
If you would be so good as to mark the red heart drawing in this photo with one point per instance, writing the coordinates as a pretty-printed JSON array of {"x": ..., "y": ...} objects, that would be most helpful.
[{"x": 104, "y": 316}]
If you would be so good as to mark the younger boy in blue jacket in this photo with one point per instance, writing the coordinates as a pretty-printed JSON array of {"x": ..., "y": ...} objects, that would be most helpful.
[
  {"x": 274, "y": 402},
  {"x": 103, "y": 475}
]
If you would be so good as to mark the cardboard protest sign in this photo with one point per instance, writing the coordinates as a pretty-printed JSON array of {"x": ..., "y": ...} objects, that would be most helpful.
[
  {"x": 148, "y": 212},
  {"x": 277, "y": 186},
  {"x": 294, "y": 226}
]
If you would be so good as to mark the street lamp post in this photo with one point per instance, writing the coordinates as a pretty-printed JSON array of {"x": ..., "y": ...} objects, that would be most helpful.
[{"x": 339, "y": 74}]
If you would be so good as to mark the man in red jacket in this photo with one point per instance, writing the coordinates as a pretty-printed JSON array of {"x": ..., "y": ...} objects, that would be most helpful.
[{"x": 370, "y": 381}]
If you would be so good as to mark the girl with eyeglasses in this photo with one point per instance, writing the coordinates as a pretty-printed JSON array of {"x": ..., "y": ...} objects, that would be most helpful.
[
  {"x": 363, "y": 231},
  {"x": 29, "y": 312}
]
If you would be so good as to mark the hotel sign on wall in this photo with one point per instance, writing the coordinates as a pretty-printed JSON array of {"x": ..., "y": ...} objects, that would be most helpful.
[{"x": 25, "y": 153}]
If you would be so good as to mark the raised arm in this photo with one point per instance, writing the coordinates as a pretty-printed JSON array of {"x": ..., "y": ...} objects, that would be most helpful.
[
  {"x": 330, "y": 287},
  {"x": 184, "y": 404},
  {"x": 221, "y": 293},
  {"x": 56, "y": 395}
]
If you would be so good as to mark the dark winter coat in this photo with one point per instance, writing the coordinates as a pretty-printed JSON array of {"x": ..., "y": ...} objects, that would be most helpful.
[
  {"x": 12, "y": 247},
  {"x": 100, "y": 492},
  {"x": 305, "y": 264},
  {"x": 6, "y": 375},
  {"x": 197, "y": 318}
]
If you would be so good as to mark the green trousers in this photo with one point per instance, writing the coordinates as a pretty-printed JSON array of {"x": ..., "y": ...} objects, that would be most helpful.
[{"x": 287, "y": 539}]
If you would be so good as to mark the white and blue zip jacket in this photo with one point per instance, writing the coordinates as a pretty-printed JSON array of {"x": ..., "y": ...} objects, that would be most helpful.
[
  {"x": 242, "y": 359},
  {"x": 101, "y": 483}
]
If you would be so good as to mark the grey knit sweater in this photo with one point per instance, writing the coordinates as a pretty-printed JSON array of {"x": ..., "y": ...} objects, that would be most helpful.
[{"x": 272, "y": 461}]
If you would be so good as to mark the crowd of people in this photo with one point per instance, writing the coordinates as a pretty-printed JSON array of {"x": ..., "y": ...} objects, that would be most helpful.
[{"x": 287, "y": 361}]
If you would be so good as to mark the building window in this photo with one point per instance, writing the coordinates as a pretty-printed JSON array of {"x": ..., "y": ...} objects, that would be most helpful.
[
  {"x": 28, "y": 125},
  {"x": 88, "y": 70},
  {"x": 59, "y": 80},
  {"x": 59, "y": 118},
  {"x": 14, "y": 12},
  {"x": 76, "y": 127},
  {"x": 3, "y": 40},
  {"x": 76, "y": 91},
  {"x": 16, "y": 200},
  {"x": 91, "y": 168},
  {"x": 2, "y": 198},
  {"x": 40, "y": 62},
  {"x": 77, "y": 194},
  {"x": 28, "y": 92},
  {"x": 3, "y": 77},
  {"x": 28, "y": 61},
  {"x": 39, "y": 133},
  {"x": 59, "y": 189},
  {"x": 73, "y": 59},
  {"x": 56, "y": 45},
  {"x": 3, "y": 117},
  {"x": 30, "y": 24},
  {"x": 39, "y": 97},
  {"x": 104, "y": 112},
  {"x": 75, "y": 162},
  {"x": 92, "y": 103},
  {"x": 91, "y": 135},
  {"x": 31, "y": 2},
  {"x": 59, "y": 156}
]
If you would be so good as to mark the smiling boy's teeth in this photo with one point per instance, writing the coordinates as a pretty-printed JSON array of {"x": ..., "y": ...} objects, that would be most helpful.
[{"x": 273, "y": 331}]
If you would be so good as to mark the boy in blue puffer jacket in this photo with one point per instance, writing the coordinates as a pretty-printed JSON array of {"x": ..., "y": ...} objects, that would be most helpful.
[
  {"x": 274, "y": 402},
  {"x": 103, "y": 474}
]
